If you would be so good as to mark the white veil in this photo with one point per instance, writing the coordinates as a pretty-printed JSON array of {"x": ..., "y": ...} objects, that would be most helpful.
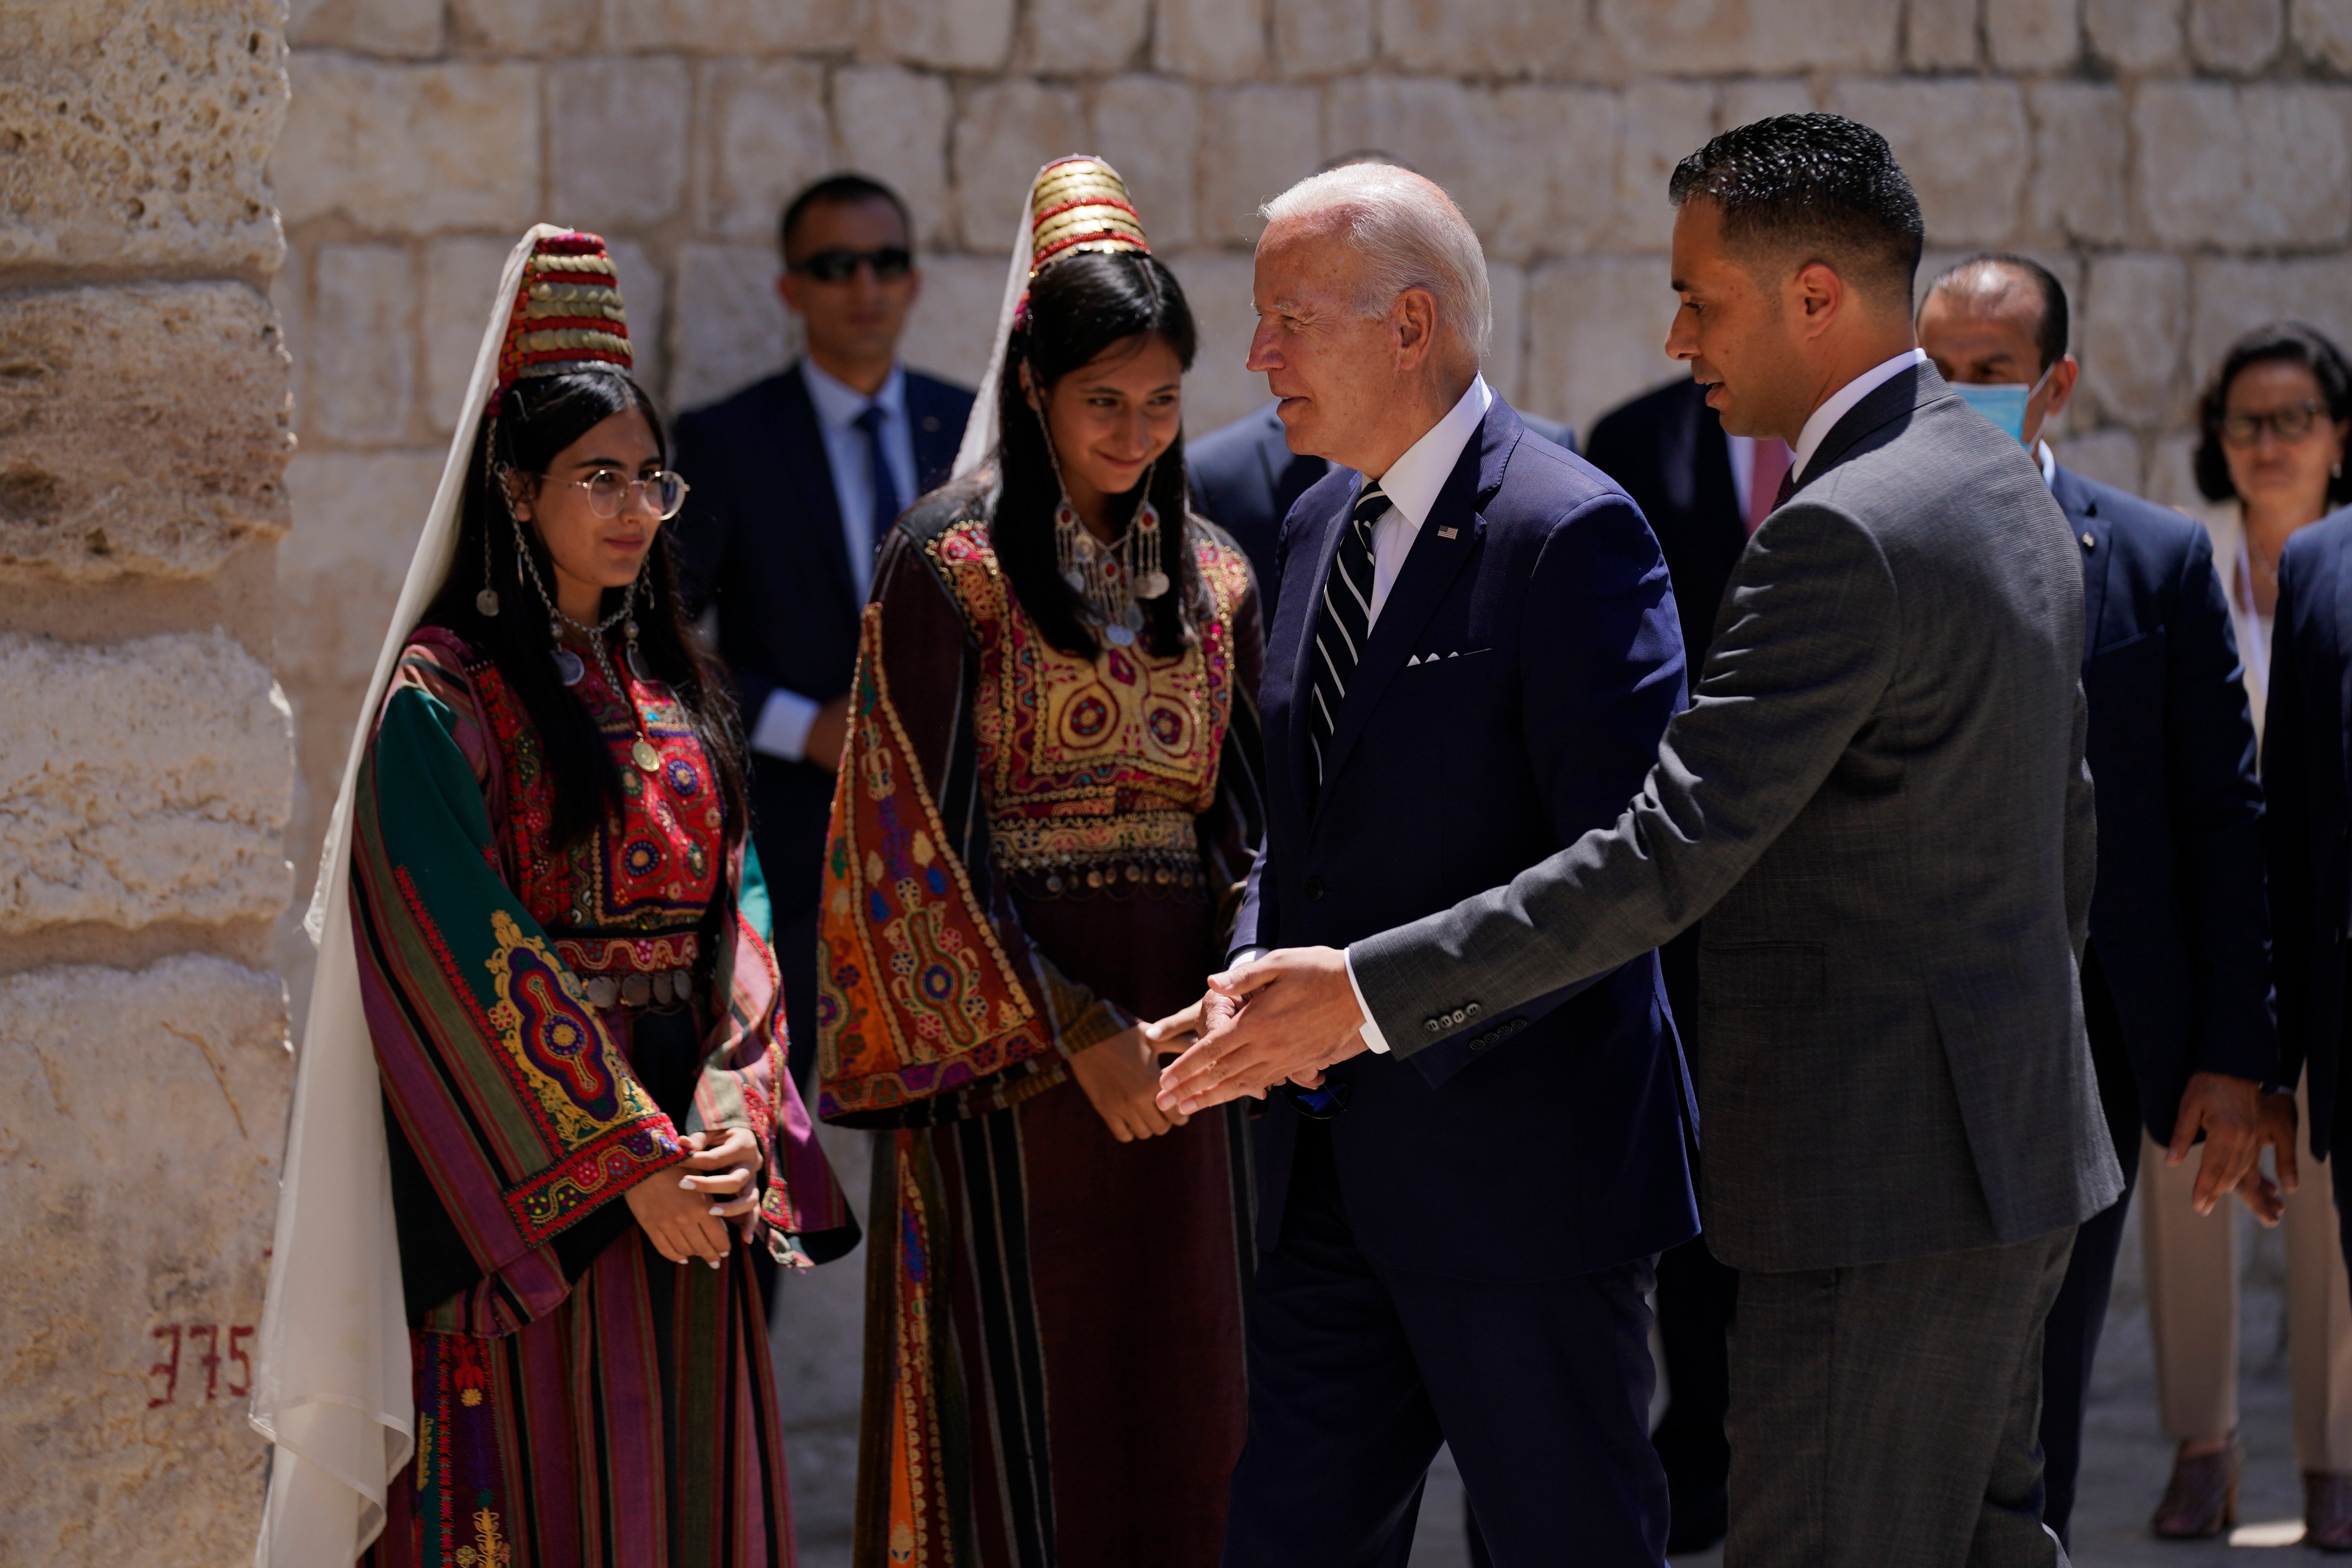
[
  {"x": 332, "y": 1386},
  {"x": 980, "y": 431}
]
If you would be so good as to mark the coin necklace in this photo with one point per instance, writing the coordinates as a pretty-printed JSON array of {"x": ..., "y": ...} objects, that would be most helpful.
[
  {"x": 1108, "y": 578},
  {"x": 570, "y": 670}
]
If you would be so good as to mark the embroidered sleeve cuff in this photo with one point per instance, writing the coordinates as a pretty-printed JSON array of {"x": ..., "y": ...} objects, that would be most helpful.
[
  {"x": 783, "y": 726},
  {"x": 1093, "y": 1026},
  {"x": 1373, "y": 1038}
]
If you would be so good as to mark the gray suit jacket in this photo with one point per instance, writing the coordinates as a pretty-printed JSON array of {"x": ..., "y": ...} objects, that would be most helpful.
[{"x": 1878, "y": 801}]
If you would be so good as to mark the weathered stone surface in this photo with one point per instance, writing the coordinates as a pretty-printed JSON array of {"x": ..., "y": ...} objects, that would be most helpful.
[
  {"x": 1210, "y": 40},
  {"x": 1964, "y": 144},
  {"x": 1323, "y": 37},
  {"x": 1745, "y": 102},
  {"x": 2243, "y": 166},
  {"x": 143, "y": 1115},
  {"x": 769, "y": 138},
  {"x": 2237, "y": 36},
  {"x": 1446, "y": 131},
  {"x": 2172, "y": 477},
  {"x": 460, "y": 274},
  {"x": 2232, "y": 298},
  {"x": 362, "y": 380},
  {"x": 2323, "y": 30},
  {"x": 617, "y": 144},
  {"x": 1482, "y": 38},
  {"x": 1096, "y": 36},
  {"x": 1507, "y": 348},
  {"x": 1221, "y": 388},
  {"x": 731, "y": 28},
  {"x": 893, "y": 124},
  {"x": 1596, "y": 335},
  {"x": 1559, "y": 146},
  {"x": 127, "y": 156},
  {"x": 1738, "y": 37},
  {"x": 1150, "y": 129},
  {"x": 2134, "y": 34},
  {"x": 142, "y": 781},
  {"x": 2080, "y": 152},
  {"x": 1941, "y": 34},
  {"x": 644, "y": 286},
  {"x": 1255, "y": 143},
  {"x": 141, "y": 428},
  {"x": 289, "y": 298},
  {"x": 1660, "y": 123},
  {"x": 949, "y": 35},
  {"x": 1006, "y": 132},
  {"x": 404, "y": 149},
  {"x": 953, "y": 323},
  {"x": 523, "y": 26},
  {"x": 2110, "y": 457},
  {"x": 2134, "y": 323},
  {"x": 732, "y": 329},
  {"x": 2033, "y": 35},
  {"x": 410, "y": 27}
]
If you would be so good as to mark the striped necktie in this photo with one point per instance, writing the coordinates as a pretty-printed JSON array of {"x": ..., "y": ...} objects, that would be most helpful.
[{"x": 1345, "y": 621}]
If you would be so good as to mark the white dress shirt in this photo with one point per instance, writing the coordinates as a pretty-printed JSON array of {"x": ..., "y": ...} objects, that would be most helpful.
[
  {"x": 1411, "y": 485},
  {"x": 1841, "y": 402},
  {"x": 1741, "y": 449},
  {"x": 782, "y": 726}
]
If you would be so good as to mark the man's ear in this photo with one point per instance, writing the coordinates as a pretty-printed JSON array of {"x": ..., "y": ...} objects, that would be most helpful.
[
  {"x": 1817, "y": 296},
  {"x": 787, "y": 290},
  {"x": 1414, "y": 322}
]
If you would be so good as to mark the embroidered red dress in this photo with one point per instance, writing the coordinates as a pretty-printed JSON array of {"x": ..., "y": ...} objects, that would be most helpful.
[
  {"x": 547, "y": 1024},
  {"x": 1030, "y": 851}
]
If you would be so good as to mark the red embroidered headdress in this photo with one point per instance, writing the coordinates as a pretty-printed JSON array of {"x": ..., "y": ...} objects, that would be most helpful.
[
  {"x": 567, "y": 313},
  {"x": 1080, "y": 205}
]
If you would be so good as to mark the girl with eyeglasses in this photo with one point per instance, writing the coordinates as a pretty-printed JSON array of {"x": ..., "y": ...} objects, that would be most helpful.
[{"x": 544, "y": 1108}]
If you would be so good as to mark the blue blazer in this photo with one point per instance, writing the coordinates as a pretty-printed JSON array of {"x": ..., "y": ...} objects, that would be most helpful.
[
  {"x": 2307, "y": 813},
  {"x": 760, "y": 538},
  {"x": 2177, "y": 918},
  {"x": 1510, "y": 698},
  {"x": 1245, "y": 478}
]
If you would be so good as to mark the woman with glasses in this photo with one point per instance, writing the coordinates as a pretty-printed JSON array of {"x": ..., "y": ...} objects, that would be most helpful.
[
  {"x": 555, "y": 942},
  {"x": 1047, "y": 800},
  {"x": 2275, "y": 418}
]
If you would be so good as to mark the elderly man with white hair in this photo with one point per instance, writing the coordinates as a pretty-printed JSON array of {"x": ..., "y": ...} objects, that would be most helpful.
[{"x": 1474, "y": 653}]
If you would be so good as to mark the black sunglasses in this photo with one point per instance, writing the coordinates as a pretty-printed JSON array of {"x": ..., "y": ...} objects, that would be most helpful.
[{"x": 890, "y": 263}]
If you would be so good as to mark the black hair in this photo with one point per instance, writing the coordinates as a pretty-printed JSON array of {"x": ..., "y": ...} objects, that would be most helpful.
[
  {"x": 1081, "y": 308},
  {"x": 2283, "y": 342},
  {"x": 1818, "y": 183},
  {"x": 843, "y": 190},
  {"x": 2054, "y": 322},
  {"x": 535, "y": 419}
]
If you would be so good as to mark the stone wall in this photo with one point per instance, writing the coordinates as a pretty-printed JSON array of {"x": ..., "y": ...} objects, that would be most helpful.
[{"x": 147, "y": 774}]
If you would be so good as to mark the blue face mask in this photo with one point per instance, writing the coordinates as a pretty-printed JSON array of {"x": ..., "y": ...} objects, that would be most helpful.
[{"x": 2004, "y": 405}]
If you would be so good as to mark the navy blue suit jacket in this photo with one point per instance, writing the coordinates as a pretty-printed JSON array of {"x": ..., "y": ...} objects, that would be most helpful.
[
  {"x": 1510, "y": 697},
  {"x": 761, "y": 537},
  {"x": 1667, "y": 448},
  {"x": 2176, "y": 917},
  {"x": 2307, "y": 813},
  {"x": 1245, "y": 478}
]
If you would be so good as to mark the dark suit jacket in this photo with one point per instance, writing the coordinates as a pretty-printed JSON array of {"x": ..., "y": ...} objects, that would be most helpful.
[
  {"x": 1666, "y": 449},
  {"x": 2306, "y": 813},
  {"x": 760, "y": 538},
  {"x": 1547, "y": 663},
  {"x": 1877, "y": 800},
  {"x": 1245, "y": 478},
  {"x": 2178, "y": 918}
]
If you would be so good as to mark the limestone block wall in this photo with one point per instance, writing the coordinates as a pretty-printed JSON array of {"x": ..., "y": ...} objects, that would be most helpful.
[{"x": 147, "y": 774}]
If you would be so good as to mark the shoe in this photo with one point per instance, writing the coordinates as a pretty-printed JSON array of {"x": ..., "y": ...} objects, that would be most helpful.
[
  {"x": 2201, "y": 1500},
  {"x": 2327, "y": 1510},
  {"x": 1698, "y": 1518}
]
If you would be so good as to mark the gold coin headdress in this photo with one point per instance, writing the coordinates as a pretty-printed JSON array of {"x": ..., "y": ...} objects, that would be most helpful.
[
  {"x": 567, "y": 313},
  {"x": 1077, "y": 207}
]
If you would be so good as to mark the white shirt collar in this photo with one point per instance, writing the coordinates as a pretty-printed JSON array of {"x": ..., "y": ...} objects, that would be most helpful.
[
  {"x": 1413, "y": 480},
  {"x": 838, "y": 404},
  {"x": 1841, "y": 402},
  {"x": 2048, "y": 461}
]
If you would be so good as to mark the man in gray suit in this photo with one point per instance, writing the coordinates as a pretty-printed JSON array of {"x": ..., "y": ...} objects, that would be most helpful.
[{"x": 1878, "y": 802}]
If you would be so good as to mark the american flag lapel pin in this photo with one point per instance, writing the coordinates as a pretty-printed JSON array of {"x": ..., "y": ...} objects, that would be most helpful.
[{"x": 1448, "y": 532}]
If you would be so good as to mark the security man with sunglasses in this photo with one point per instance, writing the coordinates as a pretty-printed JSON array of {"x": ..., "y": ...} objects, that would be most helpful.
[{"x": 797, "y": 479}]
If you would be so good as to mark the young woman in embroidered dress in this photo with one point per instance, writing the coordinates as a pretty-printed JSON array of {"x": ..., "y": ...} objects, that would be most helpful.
[
  {"x": 1048, "y": 797},
  {"x": 561, "y": 945}
]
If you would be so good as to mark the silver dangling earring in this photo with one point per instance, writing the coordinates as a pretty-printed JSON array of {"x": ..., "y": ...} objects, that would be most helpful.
[
  {"x": 1142, "y": 543},
  {"x": 486, "y": 601},
  {"x": 1091, "y": 567}
]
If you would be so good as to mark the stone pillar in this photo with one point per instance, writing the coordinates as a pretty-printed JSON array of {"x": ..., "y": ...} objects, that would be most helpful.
[{"x": 146, "y": 773}]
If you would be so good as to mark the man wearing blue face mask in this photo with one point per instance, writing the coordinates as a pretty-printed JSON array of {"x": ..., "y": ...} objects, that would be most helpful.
[{"x": 2175, "y": 978}]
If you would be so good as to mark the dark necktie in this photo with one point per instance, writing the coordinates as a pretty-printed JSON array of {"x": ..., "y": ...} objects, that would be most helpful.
[
  {"x": 886, "y": 489},
  {"x": 1788, "y": 488},
  {"x": 1344, "y": 620}
]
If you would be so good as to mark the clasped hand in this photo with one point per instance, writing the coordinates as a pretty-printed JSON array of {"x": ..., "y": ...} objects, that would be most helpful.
[
  {"x": 1284, "y": 1017},
  {"x": 686, "y": 1217}
]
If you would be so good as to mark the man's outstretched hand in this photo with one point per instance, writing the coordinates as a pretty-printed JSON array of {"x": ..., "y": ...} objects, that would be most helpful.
[{"x": 1289, "y": 1014}]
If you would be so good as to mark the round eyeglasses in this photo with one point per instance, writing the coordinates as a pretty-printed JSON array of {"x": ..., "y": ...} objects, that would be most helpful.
[
  {"x": 609, "y": 491},
  {"x": 2290, "y": 424}
]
